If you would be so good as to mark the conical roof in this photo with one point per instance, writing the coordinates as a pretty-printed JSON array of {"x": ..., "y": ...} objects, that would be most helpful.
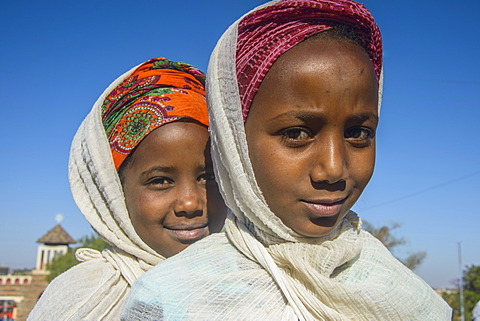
[{"x": 56, "y": 235}]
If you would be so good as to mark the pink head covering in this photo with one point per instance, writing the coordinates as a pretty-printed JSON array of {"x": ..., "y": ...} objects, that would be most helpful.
[{"x": 267, "y": 33}]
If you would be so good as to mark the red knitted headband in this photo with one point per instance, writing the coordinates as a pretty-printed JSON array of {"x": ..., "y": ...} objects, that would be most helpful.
[{"x": 267, "y": 33}]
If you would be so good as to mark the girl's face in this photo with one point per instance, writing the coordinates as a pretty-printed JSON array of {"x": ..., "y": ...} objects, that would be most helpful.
[
  {"x": 169, "y": 187},
  {"x": 311, "y": 133}
]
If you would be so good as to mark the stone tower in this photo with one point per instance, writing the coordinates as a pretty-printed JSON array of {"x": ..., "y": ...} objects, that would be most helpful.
[{"x": 55, "y": 243}]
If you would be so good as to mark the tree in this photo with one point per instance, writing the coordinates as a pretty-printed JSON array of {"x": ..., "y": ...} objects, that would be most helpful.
[
  {"x": 386, "y": 236},
  {"x": 471, "y": 278},
  {"x": 471, "y": 285},
  {"x": 471, "y": 293},
  {"x": 62, "y": 263}
]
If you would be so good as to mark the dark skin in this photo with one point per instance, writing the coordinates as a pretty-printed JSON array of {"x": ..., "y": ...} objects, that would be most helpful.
[
  {"x": 311, "y": 133},
  {"x": 169, "y": 188}
]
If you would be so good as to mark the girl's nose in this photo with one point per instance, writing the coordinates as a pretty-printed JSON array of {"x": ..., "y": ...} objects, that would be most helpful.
[
  {"x": 329, "y": 160},
  {"x": 190, "y": 201}
]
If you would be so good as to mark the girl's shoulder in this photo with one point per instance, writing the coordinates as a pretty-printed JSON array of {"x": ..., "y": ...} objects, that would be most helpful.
[
  {"x": 210, "y": 258},
  {"x": 71, "y": 293},
  {"x": 200, "y": 282}
]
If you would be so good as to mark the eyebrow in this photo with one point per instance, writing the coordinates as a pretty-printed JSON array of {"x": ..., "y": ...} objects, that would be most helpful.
[
  {"x": 306, "y": 116},
  {"x": 365, "y": 116},
  {"x": 172, "y": 169},
  {"x": 163, "y": 169}
]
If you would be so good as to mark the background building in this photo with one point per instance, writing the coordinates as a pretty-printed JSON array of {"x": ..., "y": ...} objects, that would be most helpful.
[{"x": 20, "y": 290}]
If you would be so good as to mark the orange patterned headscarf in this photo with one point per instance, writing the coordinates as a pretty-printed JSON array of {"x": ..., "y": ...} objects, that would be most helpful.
[{"x": 158, "y": 92}]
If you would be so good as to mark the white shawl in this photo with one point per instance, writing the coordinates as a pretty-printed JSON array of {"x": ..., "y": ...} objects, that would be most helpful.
[
  {"x": 321, "y": 279},
  {"x": 262, "y": 269},
  {"x": 96, "y": 288}
]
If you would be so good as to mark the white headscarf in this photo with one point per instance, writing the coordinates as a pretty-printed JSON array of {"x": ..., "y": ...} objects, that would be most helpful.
[
  {"x": 322, "y": 279},
  {"x": 265, "y": 270},
  {"x": 96, "y": 288}
]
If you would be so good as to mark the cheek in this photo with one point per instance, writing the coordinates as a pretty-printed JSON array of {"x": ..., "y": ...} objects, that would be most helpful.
[
  {"x": 362, "y": 167},
  {"x": 263, "y": 167},
  {"x": 274, "y": 171},
  {"x": 214, "y": 198},
  {"x": 145, "y": 208},
  {"x": 216, "y": 208}
]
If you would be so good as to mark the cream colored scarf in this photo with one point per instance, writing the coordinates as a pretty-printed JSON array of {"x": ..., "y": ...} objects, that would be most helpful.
[
  {"x": 96, "y": 288},
  {"x": 347, "y": 275}
]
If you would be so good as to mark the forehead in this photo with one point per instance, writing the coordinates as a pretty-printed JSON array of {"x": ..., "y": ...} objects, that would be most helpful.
[
  {"x": 317, "y": 78},
  {"x": 174, "y": 143},
  {"x": 326, "y": 73},
  {"x": 334, "y": 55}
]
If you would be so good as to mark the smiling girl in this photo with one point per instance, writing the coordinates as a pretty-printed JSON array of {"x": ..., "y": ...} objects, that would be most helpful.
[
  {"x": 294, "y": 89},
  {"x": 141, "y": 173}
]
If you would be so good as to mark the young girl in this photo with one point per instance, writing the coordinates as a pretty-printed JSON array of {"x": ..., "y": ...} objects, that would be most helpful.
[
  {"x": 140, "y": 172},
  {"x": 294, "y": 90}
]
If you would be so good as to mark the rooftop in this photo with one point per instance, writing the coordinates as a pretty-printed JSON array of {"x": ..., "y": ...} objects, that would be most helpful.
[{"x": 56, "y": 235}]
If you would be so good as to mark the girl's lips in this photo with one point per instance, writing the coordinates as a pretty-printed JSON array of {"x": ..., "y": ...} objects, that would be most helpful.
[
  {"x": 324, "y": 209},
  {"x": 188, "y": 235}
]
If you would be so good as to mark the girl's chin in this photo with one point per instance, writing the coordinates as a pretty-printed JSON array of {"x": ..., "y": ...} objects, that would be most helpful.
[{"x": 319, "y": 227}]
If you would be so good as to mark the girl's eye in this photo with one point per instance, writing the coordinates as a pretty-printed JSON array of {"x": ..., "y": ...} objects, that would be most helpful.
[
  {"x": 207, "y": 177},
  {"x": 359, "y": 135},
  {"x": 296, "y": 135},
  {"x": 160, "y": 182}
]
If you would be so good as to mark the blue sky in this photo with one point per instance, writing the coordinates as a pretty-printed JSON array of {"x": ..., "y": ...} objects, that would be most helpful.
[{"x": 58, "y": 56}]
